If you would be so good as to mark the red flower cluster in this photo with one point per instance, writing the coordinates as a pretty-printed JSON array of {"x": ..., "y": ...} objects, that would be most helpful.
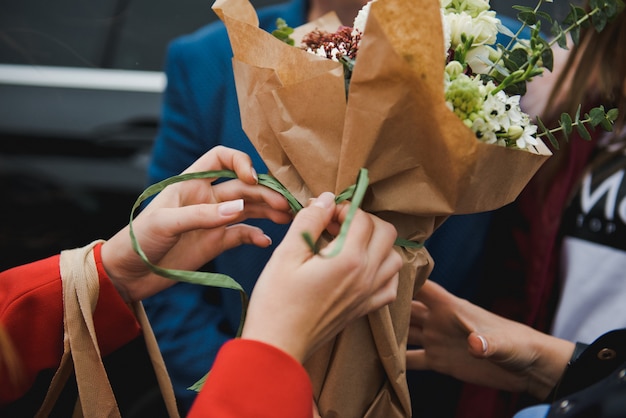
[{"x": 343, "y": 43}]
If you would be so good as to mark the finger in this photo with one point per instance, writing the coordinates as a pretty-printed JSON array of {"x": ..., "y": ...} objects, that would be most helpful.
[
  {"x": 432, "y": 294},
  {"x": 415, "y": 335},
  {"x": 419, "y": 313},
  {"x": 359, "y": 236},
  {"x": 239, "y": 234},
  {"x": 234, "y": 189},
  {"x": 416, "y": 360},
  {"x": 385, "y": 295},
  {"x": 202, "y": 216},
  {"x": 478, "y": 345},
  {"x": 312, "y": 220},
  {"x": 387, "y": 280},
  {"x": 223, "y": 158},
  {"x": 316, "y": 412}
]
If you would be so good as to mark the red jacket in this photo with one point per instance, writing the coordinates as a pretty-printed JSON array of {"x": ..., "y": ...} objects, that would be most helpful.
[{"x": 248, "y": 378}]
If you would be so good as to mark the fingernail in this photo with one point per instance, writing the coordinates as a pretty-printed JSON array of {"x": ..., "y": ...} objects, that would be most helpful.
[
  {"x": 325, "y": 200},
  {"x": 254, "y": 174},
  {"x": 483, "y": 340},
  {"x": 268, "y": 238},
  {"x": 230, "y": 208}
]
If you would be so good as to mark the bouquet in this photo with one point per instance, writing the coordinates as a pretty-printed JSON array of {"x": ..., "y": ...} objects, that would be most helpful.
[{"x": 396, "y": 109}]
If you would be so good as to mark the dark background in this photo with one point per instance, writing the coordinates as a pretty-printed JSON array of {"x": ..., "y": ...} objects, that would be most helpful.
[{"x": 72, "y": 161}]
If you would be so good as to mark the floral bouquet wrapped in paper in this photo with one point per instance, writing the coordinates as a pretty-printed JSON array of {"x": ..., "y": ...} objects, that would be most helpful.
[{"x": 404, "y": 118}]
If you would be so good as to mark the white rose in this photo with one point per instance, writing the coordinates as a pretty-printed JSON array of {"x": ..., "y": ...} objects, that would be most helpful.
[
  {"x": 458, "y": 24},
  {"x": 485, "y": 28}
]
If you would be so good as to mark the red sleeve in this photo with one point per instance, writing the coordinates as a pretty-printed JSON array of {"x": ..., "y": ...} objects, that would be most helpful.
[
  {"x": 31, "y": 312},
  {"x": 253, "y": 379}
]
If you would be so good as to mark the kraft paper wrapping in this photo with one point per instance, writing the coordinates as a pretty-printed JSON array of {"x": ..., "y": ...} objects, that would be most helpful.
[{"x": 423, "y": 163}]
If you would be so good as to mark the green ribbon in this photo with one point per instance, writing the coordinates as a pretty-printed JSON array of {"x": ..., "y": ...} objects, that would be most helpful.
[{"x": 355, "y": 193}]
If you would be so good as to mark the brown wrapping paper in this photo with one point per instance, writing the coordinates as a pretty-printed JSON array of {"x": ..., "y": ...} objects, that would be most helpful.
[{"x": 423, "y": 163}]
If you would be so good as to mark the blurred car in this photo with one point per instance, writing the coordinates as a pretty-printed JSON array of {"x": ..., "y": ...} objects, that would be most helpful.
[{"x": 80, "y": 94}]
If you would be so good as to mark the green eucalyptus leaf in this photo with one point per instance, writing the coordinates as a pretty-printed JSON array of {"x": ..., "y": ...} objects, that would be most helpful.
[
  {"x": 547, "y": 58},
  {"x": 546, "y": 132},
  {"x": 522, "y": 8},
  {"x": 545, "y": 15},
  {"x": 596, "y": 116},
  {"x": 558, "y": 34},
  {"x": 599, "y": 21},
  {"x": 518, "y": 88},
  {"x": 583, "y": 132},
  {"x": 607, "y": 125},
  {"x": 566, "y": 124},
  {"x": 575, "y": 35},
  {"x": 527, "y": 18},
  {"x": 612, "y": 114}
]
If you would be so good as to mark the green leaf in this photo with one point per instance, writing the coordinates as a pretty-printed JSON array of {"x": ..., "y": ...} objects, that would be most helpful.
[
  {"x": 558, "y": 34},
  {"x": 596, "y": 116},
  {"x": 516, "y": 89},
  {"x": 566, "y": 124},
  {"x": 527, "y": 18},
  {"x": 599, "y": 21},
  {"x": 516, "y": 59},
  {"x": 283, "y": 32},
  {"x": 545, "y": 15},
  {"x": 612, "y": 114},
  {"x": 523, "y": 8},
  {"x": 547, "y": 57},
  {"x": 583, "y": 132},
  {"x": 606, "y": 125},
  {"x": 546, "y": 132},
  {"x": 575, "y": 35}
]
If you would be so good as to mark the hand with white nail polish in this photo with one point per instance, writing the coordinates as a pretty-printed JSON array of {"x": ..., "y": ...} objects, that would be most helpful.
[
  {"x": 301, "y": 299},
  {"x": 191, "y": 222},
  {"x": 474, "y": 345}
]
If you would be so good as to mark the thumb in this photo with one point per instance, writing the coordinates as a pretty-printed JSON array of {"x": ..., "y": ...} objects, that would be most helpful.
[
  {"x": 311, "y": 220},
  {"x": 478, "y": 345}
]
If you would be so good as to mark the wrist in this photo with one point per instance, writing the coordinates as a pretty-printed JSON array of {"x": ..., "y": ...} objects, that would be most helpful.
[
  {"x": 285, "y": 341},
  {"x": 553, "y": 355},
  {"x": 109, "y": 269}
]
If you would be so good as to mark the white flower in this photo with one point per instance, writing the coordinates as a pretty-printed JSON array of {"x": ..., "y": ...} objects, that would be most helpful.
[
  {"x": 527, "y": 139},
  {"x": 361, "y": 18},
  {"x": 495, "y": 107},
  {"x": 458, "y": 24},
  {"x": 513, "y": 110},
  {"x": 483, "y": 131},
  {"x": 485, "y": 28},
  {"x": 481, "y": 58}
]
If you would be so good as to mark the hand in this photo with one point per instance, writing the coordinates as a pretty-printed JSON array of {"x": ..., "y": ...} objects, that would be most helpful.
[
  {"x": 191, "y": 222},
  {"x": 471, "y": 344},
  {"x": 301, "y": 300}
]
